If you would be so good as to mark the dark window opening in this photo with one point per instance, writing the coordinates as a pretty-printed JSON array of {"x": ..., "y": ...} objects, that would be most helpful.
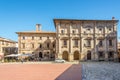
[
  {"x": 73, "y": 31},
  {"x": 76, "y": 42},
  {"x": 100, "y": 29},
  {"x": 88, "y": 29},
  {"x": 32, "y": 45},
  {"x": 40, "y": 46},
  {"x": 40, "y": 38},
  {"x": 62, "y": 31},
  {"x": 48, "y": 45},
  {"x": 53, "y": 45},
  {"x": 65, "y": 42},
  {"x": 32, "y": 37},
  {"x": 110, "y": 43},
  {"x": 100, "y": 43},
  {"x": 110, "y": 29},
  {"x": 23, "y": 37}
]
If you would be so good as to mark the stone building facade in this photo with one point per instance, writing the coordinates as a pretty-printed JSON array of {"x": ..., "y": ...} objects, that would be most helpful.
[
  {"x": 119, "y": 51},
  {"x": 7, "y": 46},
  {"x": 86, "y": 39},
  {"x": 40, "y": 43},
  {"x": 79, "y": 40}
]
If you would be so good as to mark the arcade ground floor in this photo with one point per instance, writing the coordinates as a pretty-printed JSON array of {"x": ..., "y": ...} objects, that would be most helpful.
[
  {"x": 76, "y": 56},
  {"x": 99, "y": 56}
]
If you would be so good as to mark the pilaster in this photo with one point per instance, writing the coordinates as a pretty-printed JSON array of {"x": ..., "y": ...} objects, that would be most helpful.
[
  {"x": 70, "y": 57},
  {"x": 106, "y": 56}
]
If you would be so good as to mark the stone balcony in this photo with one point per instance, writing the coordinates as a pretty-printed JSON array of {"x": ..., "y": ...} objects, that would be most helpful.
[
  {"x": 111, "y": 48},
  {"x": 101, "y": 48},
  {"x": 64, "y": 36},
  {"x": 75, "y": 36},
  {"x": 88, "y": 36},
  {"x": 100, "y": 36},
  {"x": 65, "y": 46},
  {"x": 111, "y": 35}
]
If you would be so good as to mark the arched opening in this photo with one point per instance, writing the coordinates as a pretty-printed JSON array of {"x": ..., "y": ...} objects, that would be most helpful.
[
  {"x": 88, "y": 55},
  {"x": 101, "y": 56},
  {"x": 76, "y": 55},
  {"x": 110, "y": 56},
  {"x": 40, "y": 55},
  {"x": 52, "y": 55},
  {"x": 65, "y": 55}
]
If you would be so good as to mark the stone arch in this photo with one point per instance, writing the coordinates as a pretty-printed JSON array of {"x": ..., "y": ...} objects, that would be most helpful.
[
  {"x": 101, "y": 56},
  {"x": 111, "y": 56},
  {"x": 88, "y": 55},
  {"x": 76, "y": 55},
  {"x": 65, "y": 55},
  {"x": 40, "y": 55}
]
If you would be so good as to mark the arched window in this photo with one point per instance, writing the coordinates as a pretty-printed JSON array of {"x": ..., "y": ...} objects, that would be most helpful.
[
  {"x": 100, "y": 43},
  {"x": 48, "y": 45}
]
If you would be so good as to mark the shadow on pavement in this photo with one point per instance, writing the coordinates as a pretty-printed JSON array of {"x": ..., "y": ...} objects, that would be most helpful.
[{"x": 72, "y": 73}]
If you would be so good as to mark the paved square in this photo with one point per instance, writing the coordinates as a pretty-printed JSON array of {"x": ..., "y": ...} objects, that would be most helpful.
[
  {"x": 40, "y": 72},
  {"x": 100, "y": 71}
]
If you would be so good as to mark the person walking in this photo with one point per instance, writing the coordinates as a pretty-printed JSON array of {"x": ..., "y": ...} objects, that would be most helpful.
[{"x": 22, "y": 60}]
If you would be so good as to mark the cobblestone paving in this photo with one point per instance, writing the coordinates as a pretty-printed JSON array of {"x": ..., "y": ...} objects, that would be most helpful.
[{"x": 100, "y": 71}]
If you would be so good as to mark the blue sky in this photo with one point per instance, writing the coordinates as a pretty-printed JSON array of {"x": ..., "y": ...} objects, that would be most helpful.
[{"x": 23, "y": 15}]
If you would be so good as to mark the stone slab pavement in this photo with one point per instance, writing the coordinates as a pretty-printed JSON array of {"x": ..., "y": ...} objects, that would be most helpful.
[{"x": 100, "y": 71}]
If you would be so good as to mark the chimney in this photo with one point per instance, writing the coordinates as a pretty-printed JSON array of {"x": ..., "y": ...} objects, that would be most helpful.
[
  {"x": 38, "y": 27},
  {"x": 113, "y": 18}
]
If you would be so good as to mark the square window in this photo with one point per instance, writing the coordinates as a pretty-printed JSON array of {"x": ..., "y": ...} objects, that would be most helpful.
[
  {"x": 73, "y": 31},
  {"x": 23, "y": 37},
  {"x": 62, "y": 31},
  {"x": 100, "y": 29},
  {"x": 40, "y": 38},
  {"x": 110, "y": 29},
  {"x": 88, "y": 29}
]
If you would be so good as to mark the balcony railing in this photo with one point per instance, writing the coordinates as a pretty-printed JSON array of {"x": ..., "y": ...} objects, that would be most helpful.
[
  {"x": 75, "y": 46},
  {"x": 65, "y": 46},
  {"x": 87, "y": 46},
  {"x": 101, "y": 48}
]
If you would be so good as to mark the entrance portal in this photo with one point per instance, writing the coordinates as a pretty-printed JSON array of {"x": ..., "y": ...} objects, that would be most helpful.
[
  {"x": 110, "y": 56},
  {"x": 88, "y": 55},
  {"x": 76, "y": 55},
  {"x": 40, "y": 55},
  {"x": 65, "y": 55}
]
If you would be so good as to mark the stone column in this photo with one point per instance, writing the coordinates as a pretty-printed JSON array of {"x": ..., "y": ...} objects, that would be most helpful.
[
  {"x": 70, "y": 50},
  {"x": 106, "y": 55},
  {"x": 106, "y": 50},
  {"x": 116, "y": 57},
  {"x": 19, "y": 43},
  {"x": 81, "y": 37},
  {"x": 96, "y": 51},
  {"x": 70, "y": 40},
  {"x": 58, "y": 47},
  {"x": 94, "y": 36},
  {"x": 92, "y": 49},
  {"x": 80, "y": 41},
  {"x": 83, "y": 51},
  {"x": 60, "y": 55},
  {"x": 70, "y": 57}
]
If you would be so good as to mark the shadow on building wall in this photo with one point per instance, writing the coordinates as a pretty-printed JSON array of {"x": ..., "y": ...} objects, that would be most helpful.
[
  {"x": 45, "y": 50},
  {"x": 72, "y": 73},
  {"x": 106, "y": 51}
]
